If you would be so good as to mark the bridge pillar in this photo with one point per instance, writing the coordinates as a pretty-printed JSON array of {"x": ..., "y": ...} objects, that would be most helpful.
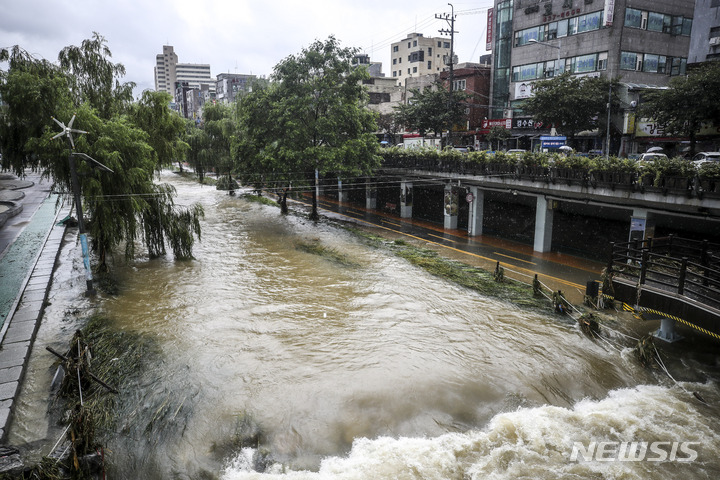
[
  {"x": 638, "y": 224},
  {"x": 370, "y": 194},
  {"x": 451, "y": 208},
  {"x": 543, "y": 224},
  {"x": 406, "y": 199},
  {"x": 475, "y": 222},
  {"x": 667, "y": 331}
]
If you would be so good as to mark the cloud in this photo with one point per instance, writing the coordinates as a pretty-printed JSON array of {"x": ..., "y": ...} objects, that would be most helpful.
[{"x": 232, "y": 36}]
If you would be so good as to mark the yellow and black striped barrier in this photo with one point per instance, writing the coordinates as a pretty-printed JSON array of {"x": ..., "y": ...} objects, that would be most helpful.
[{"x": 638, "y": 313}]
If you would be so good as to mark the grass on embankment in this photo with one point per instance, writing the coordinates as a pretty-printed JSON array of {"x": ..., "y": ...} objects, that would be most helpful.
[{"x": 474, "y": 278}]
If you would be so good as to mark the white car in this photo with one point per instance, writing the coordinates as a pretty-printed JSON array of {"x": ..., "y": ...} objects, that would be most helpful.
[
  {"x": 651, "y": 157},
  {"x": 706, "y": 157}
]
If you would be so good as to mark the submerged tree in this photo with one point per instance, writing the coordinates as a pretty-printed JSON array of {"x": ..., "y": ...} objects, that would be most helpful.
[{"x": 123, "y": 207}]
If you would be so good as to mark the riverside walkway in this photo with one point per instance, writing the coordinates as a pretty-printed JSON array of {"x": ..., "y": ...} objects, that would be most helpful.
[{"x": 30, "y": 240}]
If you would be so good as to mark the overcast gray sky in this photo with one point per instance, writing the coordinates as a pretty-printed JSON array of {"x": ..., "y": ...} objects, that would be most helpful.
[{"x": 237, "y": 36}]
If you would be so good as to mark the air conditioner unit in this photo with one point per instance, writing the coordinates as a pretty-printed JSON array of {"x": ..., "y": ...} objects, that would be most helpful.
[{"x": 715, "y": 41}]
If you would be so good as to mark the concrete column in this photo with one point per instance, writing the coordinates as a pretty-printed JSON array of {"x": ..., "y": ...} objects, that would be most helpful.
[
  {"x": 342, "y": 195},
  {"x": 543, "y": 224},
  {"x": 370, "y": 195},
  {"x": 406, "y": 199},
  {"x": 639, "y": 225},
  {"x": 667, "y": 331},
  {"x": 475, "y": 221},
  {"x": 451, "y": 207}
]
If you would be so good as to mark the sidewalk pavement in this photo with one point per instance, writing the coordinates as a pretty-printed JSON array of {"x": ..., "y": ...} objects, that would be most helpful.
[{"x": 30, "y": 241}]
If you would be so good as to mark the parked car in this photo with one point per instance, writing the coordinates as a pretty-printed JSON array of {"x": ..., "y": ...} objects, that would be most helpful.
[
  {"x": 705, "y": 157},
  {"x": 516, "y": 151},
  {"x": 651, "y": 157}
]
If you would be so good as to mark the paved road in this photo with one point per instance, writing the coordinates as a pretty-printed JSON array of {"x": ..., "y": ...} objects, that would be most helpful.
[
  {"x": 30, "y": 240},
  {"x": 557, "y": 271}
]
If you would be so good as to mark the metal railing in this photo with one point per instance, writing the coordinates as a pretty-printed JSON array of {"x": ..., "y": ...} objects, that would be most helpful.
[{"x": 680, "y": 266}]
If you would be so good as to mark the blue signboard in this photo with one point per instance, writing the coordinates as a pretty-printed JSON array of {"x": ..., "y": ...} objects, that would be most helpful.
[{"x": 552, "y": 142}]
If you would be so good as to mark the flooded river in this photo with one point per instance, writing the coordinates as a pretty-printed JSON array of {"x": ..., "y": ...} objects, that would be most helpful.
[{"x": 372, "y": 369}]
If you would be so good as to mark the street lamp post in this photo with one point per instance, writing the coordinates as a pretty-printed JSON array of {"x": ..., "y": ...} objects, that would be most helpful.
[{"x": 534, "y": 40}]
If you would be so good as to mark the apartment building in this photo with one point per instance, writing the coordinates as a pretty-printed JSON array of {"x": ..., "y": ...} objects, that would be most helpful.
[
  {"x": 417, "y": 55},
  {"x": 168, "y": 72}
]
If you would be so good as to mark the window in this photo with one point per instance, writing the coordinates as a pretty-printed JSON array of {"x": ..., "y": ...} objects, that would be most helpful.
[
  {"x": 429, "y": 67},
  {"x": 408, "y": 44},
  {"x": 446, "y": 44},
  {"x": 584, "y": 63},
  {"x": 395, "y": 48},
  {"x": 633, "y": 18},
  {"x": 394, "y": 61},
  {"x": 572, "y": 26},
  {"x": 602, "y": 61},
  {"x": 655, "y": 22},
  {"x": 650, "y": 63},
  {"x": 629, "y": 60},
  {"x": 562, "y": 28},
  {"x": 414, "y": 69},
  {"x": 414, "y": 43},
  {"x": 394, "y": 73},
  {"x": 589, "y": 22},
  {"x": 551, "y": 31},
  {"x": 439, "y": 44},
  {"x": 460, "y": 84},
  {"x": 687, "y": 26},
  {"x": 429, "y": 51}
]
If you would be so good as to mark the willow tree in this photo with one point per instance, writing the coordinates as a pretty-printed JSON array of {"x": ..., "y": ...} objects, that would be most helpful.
[
  {"x": 320, "y": 122},
  {"x": 32, "y": 91},
  {"x": 124, "y": 207},
  {"x": 94, "y": 78},
  {"x": 165, "y": 128}
]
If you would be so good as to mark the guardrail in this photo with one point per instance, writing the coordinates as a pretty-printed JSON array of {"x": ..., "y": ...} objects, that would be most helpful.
[
  {"x": 695, "y": 186},
  {"x": 679, "y": 266}
]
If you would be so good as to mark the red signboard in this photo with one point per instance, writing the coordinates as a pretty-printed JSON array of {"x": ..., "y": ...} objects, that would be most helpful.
[{"x": 490, "y": 25}]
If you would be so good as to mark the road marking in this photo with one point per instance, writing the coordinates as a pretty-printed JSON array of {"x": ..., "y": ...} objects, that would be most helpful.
[
  {"x": 524, "y": 271},
  {"x": 514, "y": 258},
  {"x": 441, "y": 238}
]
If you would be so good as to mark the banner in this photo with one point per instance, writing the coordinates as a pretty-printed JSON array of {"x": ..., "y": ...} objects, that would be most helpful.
[
  {"x": 490, "y": 30},
  {"x": 609, "y": 12}
]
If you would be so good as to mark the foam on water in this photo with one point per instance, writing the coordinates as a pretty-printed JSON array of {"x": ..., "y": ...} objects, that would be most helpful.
[{"x": 531, "y": 443}]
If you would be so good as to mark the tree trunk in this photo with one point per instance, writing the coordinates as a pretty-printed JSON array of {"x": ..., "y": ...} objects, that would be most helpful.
[
  {"x": 283, "y": 201},
  {"x": 314, "y": 216}
]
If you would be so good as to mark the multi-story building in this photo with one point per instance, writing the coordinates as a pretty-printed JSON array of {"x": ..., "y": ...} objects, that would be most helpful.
[
  {"x": 168, "y": 72},
  {"x": 374, "y": 68},
  {"x": 641, "y": 42},
  {"x": 165, "y": 77},
  {"x": 705, "y": 37},
  {"x": 474, "y": 80},
  {"x": 417, "y": 55},
  {"x": 231, "y": 85}
]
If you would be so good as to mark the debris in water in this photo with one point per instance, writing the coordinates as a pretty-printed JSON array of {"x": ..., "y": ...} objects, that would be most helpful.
[{"x": 589, "y": 325}]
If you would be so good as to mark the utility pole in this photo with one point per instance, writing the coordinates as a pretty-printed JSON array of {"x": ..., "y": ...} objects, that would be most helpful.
[{"x": 450, "y": 19}]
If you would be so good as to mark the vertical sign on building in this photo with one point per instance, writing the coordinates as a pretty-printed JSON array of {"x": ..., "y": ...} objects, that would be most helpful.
[
  {"x": 490, "y": 25},
  {"x": 608, "y": 12}
]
